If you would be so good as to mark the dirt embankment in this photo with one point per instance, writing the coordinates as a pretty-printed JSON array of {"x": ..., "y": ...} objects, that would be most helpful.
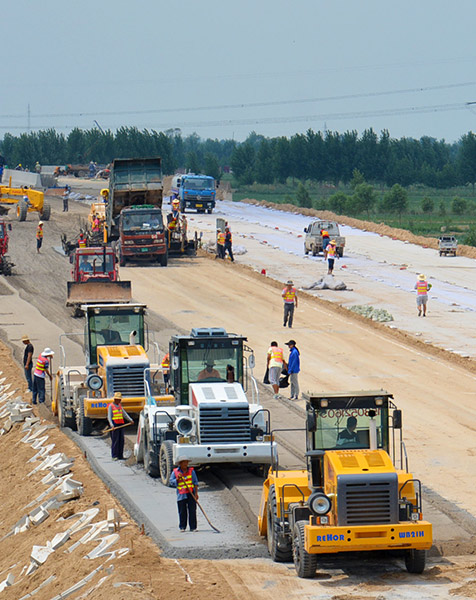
[
  {"x": 140, "y": 574},
  {"x": 380, "y": 228}
]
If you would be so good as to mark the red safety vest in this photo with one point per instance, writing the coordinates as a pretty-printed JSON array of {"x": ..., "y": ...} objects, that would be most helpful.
[
  {"x": 289, "y": 295},
  {"x": 42, "y": 363},
  {"x": 228, "y": 237},
  {"x": 82, "y": 242},
  {"x": 117, "y": 416},
  {"x": 184, "y": 480},
  {"x": 422, "y": 288},
  {"x": 39, "y": 233}
]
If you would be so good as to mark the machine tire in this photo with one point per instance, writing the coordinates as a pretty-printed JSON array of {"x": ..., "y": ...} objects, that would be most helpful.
[
  {"x": 149, "y": 467},
  {"x": 209, "y": 211},
  {"x": 306, "y": 251},
  {"x": 441, "y": 253},
  {"x": 81, "y": 173},
  {"x": 84, "y": 424},
  {"x": 22, "y": 210},
  {"x": 5, "y": 266},
  {"x": 46, "y": 212},
  {"x": 304, "y": 563},
  {"x": 415, "y": 560},
  {"x": 121, "y": 259},
  {"x": 164, "y": 259},
  {"x": 314, "y": 251},
  {"x": 64, "y": 421},
  {"x": 166, "y": 461},
  {"x": 278, "y": 554}
]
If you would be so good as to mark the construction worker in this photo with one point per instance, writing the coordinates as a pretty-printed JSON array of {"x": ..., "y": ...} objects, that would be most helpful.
[
  {"x": 42, "y": 369},
  {"x": 422, "y": 288},
  {"x": 165, "y": 364},
  {"x": 66, "y": 193},
  {"x": 38, "y": 167},
  {"x": 39, "y": 236},
  {"x": 96, "y": 226},
  {"x": 228, "y": 243},
  {"x": 209, "y": 372},
  {"x": 220, "y": 244},
  {"x": 28, "y": 361},
  {"x": 289, "y": 296},
  {"x": 185, "y": 480},
  {"x": 325, "y": 242},
  {"x": 275, "y": 364},
  {"x": 349, "y": 434},
  {"x": 331, "y": 255},
  {"x": 82, "y": 242},
  {"x": 105, "y": 195},
  {"x": 116, "y": 416},
  {"x": 174, "y": 216}
]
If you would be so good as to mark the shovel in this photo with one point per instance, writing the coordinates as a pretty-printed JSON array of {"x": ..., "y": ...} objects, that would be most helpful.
[
  {"x": 200, "y": 507},
  {"x": 119, "y": 427}
]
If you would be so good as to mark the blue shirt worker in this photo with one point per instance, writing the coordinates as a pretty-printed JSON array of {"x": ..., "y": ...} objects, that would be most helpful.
[
  {"x": 42, "y": 368},
  {"x": 185, "y": 480},
  {"x": 117, "y": 417},
  {"x": 294, "y": 367}
]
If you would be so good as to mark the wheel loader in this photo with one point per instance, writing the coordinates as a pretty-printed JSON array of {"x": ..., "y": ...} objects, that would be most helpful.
[
  {"x": 355, "y": 495},
  {"x": 115, "y": 342}
]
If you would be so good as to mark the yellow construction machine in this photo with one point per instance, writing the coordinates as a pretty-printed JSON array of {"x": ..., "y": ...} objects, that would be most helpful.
[
  {"x": 356, "y": 493},
  {"x": 26, "y": 200}
]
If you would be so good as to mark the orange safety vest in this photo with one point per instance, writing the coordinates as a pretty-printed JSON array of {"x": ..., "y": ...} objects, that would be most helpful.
[
  {"x": 117, "y": 416},
  {"x": 331, "y": 251},
  {"x": 42, "y": 364},
  {"x": 184, "y": 480},
  {"x": 165, "y": 364},
  {"x": 277, "y": 354},
  {"x": 39, "y": 233},
  {"x": 289, "y": 295},
  {"x": 221, "y": 239},
  {"x": 422, "y": 288},
  {"x": 324, "y": 233}
]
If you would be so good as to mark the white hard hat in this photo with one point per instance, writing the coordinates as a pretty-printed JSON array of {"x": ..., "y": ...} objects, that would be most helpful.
[
  {"x": 181, "y": 458},
  {"x": 40, "y": 222},
  {"x": 47, "y": 352}
]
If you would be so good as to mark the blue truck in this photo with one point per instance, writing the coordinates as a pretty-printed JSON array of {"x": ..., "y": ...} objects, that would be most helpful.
[{"x": 197, "y": 192}]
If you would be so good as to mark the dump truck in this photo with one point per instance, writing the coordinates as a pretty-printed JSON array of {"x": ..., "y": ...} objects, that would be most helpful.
[
  {"x": 116, "y": 360},
  {"x": 356, "y": 493},
  {"x": 313, "y": 239},
  {"x": 197, "y": 192},
  {"x": 95, "y": 279},
  {"x": 6, "y": 264},
  {"x": 214, "y": 416},
  {"x": 35, "y": 202},
  {"x": 447, "y": 244}
]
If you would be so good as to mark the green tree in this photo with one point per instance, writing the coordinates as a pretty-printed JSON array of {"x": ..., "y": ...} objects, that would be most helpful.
[
  {"x": 427, "y": 205},
  {"x": 459, "y": 206},
  {"x": 339, "y": 203},
  {"x": 243, "y": 163},
  {"x": 396, "y": 200},
  {"x": 363, "y": 198},
  {"x": 467, "y": 159},
  {"x": 192, "y": 162},
  {"x": 442, "y": 209},
  {"x": 303, "y": 197},
  {"x": 357, "y": 179},
  {"x": 212, "y": 166}
]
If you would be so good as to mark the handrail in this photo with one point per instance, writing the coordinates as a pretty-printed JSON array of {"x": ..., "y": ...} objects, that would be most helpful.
[
  {"x": 273, "y": 463},
  {"x": 63, "y": 353},
  {"x": 268, "y": 420}
]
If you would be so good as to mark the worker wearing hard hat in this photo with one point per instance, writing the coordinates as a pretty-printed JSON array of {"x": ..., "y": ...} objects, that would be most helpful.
[
  {"x": 422, "y": 288},
  {"x": 42, "y": 368},
  {"x": 39, "y": 236},
  {"x": 185, "y": 480},
  {"x": 165, "y": 364},
  {"x": 116, "y": 417},
  {"x": 290, "y": 298},
  {"x": 331, "y": 256}
]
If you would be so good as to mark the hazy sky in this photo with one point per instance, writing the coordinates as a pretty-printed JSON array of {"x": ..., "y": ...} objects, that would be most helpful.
[{"x": 224, "y": 68}]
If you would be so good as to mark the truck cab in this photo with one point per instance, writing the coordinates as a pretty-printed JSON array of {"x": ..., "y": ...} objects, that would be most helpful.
[
  {"x": 355, "y": 494},
  {"x": 197, "y": 192},
  {"x": 142, "y": 235}
]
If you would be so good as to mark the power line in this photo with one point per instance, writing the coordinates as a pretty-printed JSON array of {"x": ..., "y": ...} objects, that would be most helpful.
[{"x": 250, "y": 104}]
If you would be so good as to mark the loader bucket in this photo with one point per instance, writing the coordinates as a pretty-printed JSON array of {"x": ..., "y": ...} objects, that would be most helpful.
[{"x": 96, "y": 292}]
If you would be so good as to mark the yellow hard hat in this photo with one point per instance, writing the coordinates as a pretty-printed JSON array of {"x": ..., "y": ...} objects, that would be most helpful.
[{"x": 104, "y": 192}]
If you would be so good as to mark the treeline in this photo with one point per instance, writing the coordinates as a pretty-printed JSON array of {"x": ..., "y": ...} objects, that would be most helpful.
[
  {"x": 80, "y": 146},
  {"x": 315, "y": 156},
  {"x": 333, "y": 157}
]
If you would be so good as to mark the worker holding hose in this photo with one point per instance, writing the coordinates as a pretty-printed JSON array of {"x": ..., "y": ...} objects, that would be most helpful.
[{"x": 185, "y": 480}]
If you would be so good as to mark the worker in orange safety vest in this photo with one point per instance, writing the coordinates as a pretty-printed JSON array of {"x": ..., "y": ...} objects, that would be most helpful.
[
  {"x": 185, "y": 480},
  {"x": 422, "y": 288},
  {"x": 116, "y": 417},
  {"x": 289, "y": 296},
  {"x": 39, "y": 236},
  {"x": 220, "y": 244},
  {"x": 275, "y": 364},
  {"x": 165, "y": 364},
  {"x": 331, "y": 256},
  {"x": 82, "y": 242}
]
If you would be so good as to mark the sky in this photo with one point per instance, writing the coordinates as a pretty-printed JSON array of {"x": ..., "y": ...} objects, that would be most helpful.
[{"x": 223, "y": 69}]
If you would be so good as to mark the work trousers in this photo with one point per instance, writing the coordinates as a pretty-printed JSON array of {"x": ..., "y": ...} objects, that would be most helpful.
[
  {"x": 38, "y": 389},
  {"x": 220, "y": 250},
  {"x": 117, "y": 445},
  {"x": 28, "y": 377},
  {"x": 288, "y": 313},
  {"x": 229, "y": 250},
  {"x": 65, "y": 204},
  {"x": 187, "y": 507},
  {"x": 293, "y": 377}
]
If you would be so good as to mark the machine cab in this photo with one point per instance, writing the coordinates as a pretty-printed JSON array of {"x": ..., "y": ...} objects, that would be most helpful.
[
  {"x": 94, "y": 263},
  {"x": 112, "y": 325},
  {"x": 208, "y": 355}
]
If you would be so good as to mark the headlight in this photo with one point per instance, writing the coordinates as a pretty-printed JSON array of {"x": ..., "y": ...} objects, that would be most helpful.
[
  {"x": 94, "y": 382},
  {"x": 128, "y": 242},
  {"x": 184, "y": 425},
  {"x": 319, "y": 503}
]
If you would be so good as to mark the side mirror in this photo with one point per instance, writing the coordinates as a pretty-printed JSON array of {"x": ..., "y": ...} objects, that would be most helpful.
[
  {"x": 397, "y": 419},
  {"x": 251, "y": 361},
  {"x": 175, "y": 363},
  {"x": 9, "y": 226},
  {"x": 311, "y": 421},
  {"x": 305, "y": 229}
]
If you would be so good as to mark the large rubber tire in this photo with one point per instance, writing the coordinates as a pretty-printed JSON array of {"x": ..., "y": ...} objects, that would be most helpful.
[
  {"x": 149, "y": 465},
  {"x": 164, "y": 259},
  {"x": 209, "y": 211},
  {"x": 166, "y": 461},
  {"x": 277, "y": 553},
  {"x": 46, "y": 213},
  {"x": 84, "y": 424},
  {"x": 64, "y": 421},
  {"x": 314, "y": 251},
  {"x": 304, "y": 563},
  {"x": 306, "y": 251},
  {"x": 415, "y": 560},
  {"x": 22, "y": 210}
]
